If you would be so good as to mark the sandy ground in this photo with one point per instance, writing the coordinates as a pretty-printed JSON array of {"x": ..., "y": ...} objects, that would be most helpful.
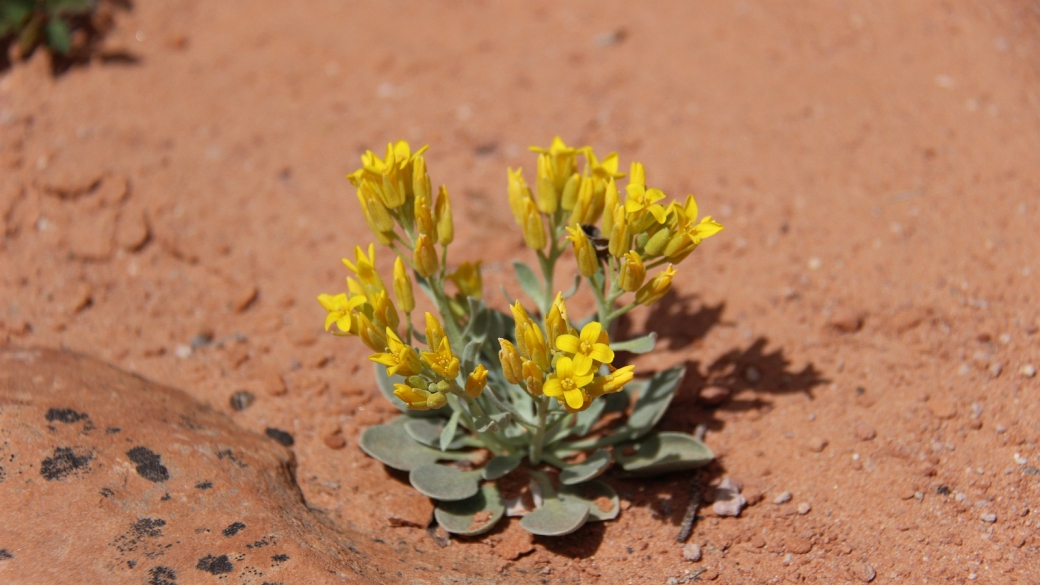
[{"x": 872, "y": 303}]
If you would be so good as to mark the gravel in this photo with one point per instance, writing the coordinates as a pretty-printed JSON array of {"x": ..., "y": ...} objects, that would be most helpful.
[
  {"x": 804, "y": 508},
  {"x": 989, "y": 517},
  {"x": 692, "y": 552},
  {"x": 782, "y": 498}
]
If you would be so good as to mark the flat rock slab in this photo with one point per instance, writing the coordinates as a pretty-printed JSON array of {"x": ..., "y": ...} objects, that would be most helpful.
[{"x": 108, "y": 478}]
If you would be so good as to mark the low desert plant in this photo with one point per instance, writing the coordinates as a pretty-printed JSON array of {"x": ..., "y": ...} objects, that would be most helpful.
[
  {"x": 32, "y": 22},
  {"x": 539, "y": 392}
]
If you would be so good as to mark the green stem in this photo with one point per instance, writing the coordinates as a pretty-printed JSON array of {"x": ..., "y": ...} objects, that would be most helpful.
[{"x": 538, "y": 437}]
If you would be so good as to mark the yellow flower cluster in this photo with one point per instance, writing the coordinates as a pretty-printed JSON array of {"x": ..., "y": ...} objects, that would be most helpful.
[
  {"x": 560, "y": 362},
  {"x": 633, "y": 233}
]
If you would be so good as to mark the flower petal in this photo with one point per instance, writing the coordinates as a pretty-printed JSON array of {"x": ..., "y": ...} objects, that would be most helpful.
[
  {"x": 590, "y": 332},
  {"x": 602, "y": 353},
  {"x": 582, "y": 365},
  {"x": 574, "y": 398},
  {"x": 568, "y": 343},
  {"x": 565, "y": 367},
  {"x": 552, "y": 387}
]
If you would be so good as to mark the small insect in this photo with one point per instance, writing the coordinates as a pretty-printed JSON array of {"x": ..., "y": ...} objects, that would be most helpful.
[{"x": 599, "y": 243}]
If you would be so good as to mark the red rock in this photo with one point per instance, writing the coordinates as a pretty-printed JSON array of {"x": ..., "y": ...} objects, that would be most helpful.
[
  {"x": 515, "y": 543},
  {"x": 845, "y": 320},
  {"x": 714, "y": 395},
  {"x": 864, "y": 432},
  {"x": 798, "y": 546},
  {"x": 335, "y": 439}
]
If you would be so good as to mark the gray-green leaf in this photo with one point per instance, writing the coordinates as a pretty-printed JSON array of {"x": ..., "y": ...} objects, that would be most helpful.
[
  {"x": 448, "y": 434},
  {"x": 556, "y": 518},
  {"x": 651, "y": 405},
  {"x": 592, "y": 467},
  {"x": 644, "y": 344},
  {"x": 528, "y": 281},
  {"x": 500, "y": 466},
  {"x": 594, "y": 493},
  {"x": 663, "y": 452},
  {"x": 391, "y": 445},
  {"x": 448, "y": 484},
  {"x": 461, "y": 517}
]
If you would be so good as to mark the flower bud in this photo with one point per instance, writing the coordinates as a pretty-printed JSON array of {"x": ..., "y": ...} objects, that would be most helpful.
[
  {"x": 511, "y": 361},
  {"x": 434, "y": 331},
  {"x": 376, "y": 215},
  {"x": 570, "y": 192},
  {"x": 420, "y": 179},
  {"x": 469, "y": 280},
  {"x": 611, "y": 383},
  {"x": 533, "y": 228},
  {"x": 556, "y": 323},
  {"x": 371, "y": 335},
  {"x": 637, "y": 174},
  {"x": 384, "y": 314},
  {"x": 424, "y": 217},
  {"x": 610, "y": 203},
  {"x": 442, "y": 217},
  {"x": 619, "y": 238},
  {"x": 655, "y": 245},
  {"x": 534, "y": 378},
  {"x": 545, "y": 192},
  {"x": 518, "y": 192},
  {"x": 583, "y": 251},
  {"x": 476, "y": 381},
  {"x": 656, "y": 288},
  {"x": 521, "y": 320},
  {"x": 403, "y": 287},
  {"x": 425, "y": 257},
  {"x": 534, "y": 339},
  {"x": 632, "y": 272},
  {"x": 414, "y": 398},
  {"x": 436, "y": 400}
]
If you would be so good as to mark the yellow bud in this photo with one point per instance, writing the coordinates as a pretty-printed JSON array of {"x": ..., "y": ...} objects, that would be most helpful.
[
  {"x": 371, "y": 335},
  {"x": 610, "y": 202},
  {"x": 556, "y": 323},
  {"x": 425, "y": 257},
  {"x": 534, "y": 339},
  {"x": 521, "y": 320},
  {"x": 392, "y": 191},
  {"x": 583, "y": 201},
  {"x": 570, "y": 192},
  {"x": 518, "y": 192},
  {"x": 424, "y": 217},
  {"x": 420, "y": 179},
  {"x": 534, "y": 377},
  {"x": 443, "y": 219},
  {"x": 548, "y": 198},
  {"x": 533, "y": 228},
  {"x": 469, "y": 280},
  {"x": 434, "y": 331},
  {"x": 656, "y": 288},
  {"x": 414, "y": 398},
  {"x": 619, "y": 238},
  {"x": 511, "y": 361},
  {"x": 384, "y": 314},
  {"x": 588, "y": 265},
  {"x": 376, "y": 215},
  {"x": 632, "y": 272},
  {"x": 611, "y": 383},
  {"x": 436, "y": 400},
  {"x": 657, "y": 242},
  {"x": 637, "y": 174},
  {"x": 403, "y": 287},
  {"x": 476, "y": 381}
]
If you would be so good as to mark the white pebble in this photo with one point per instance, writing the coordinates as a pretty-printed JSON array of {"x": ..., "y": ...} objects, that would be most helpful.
[
  {"x": 1028, "y": 370},
  {"x": 990, "y": 517},
  {"x": 692, "y": 552},
  {"x": 1020, "y": 459},
  {"x": 182, "y": 351},
  {"x": 804, "y": 508},
  {"x": 782, "y": 498}
]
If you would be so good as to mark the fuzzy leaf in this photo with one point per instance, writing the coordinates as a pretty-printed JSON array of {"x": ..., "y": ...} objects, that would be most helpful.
[
  {"x": 470, "y": 353},
  {"x": 596, "y": 495},
  {"x": 651, "y": 405},
  {"x": 391, "y": 445},
  {"x": 528, "y": 281},
  {"x": 472, "y": 516},
  {"x": 663, "y": 452},
  {"x": 556, "y": 518},
  {"x": 386, "y": 383},
  {"x": 448, "y": 484},
  {"x": 588, "y": 417},
  {"x": 592, "y": 467},
  {"x": 500, "y": 466},
  {"x": 58, "y": 37},
  {"x": 573, "y": 289},
  {"x": 644, "y": 344},
  {"x": 448, "y": 434}
]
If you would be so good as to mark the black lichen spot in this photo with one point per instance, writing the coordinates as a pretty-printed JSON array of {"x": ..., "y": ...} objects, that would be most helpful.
[
  {"x": 242, "y": 400},
  {"x": 149, "y": 464},
  {"x": 215, "y": 565},
  {"x": 113, "y": 430},
  {"x": 280, "y": 436},
  {"x": 64, "y": 462},
  {"x": 166, "y": 498},
  {"x": 65, "y": 415},
  {"x": 234, "y": 529},
  {"x": 161, "y": 575},
  {"x": 106, "y": 492},
  {"x": 204, "y": 485},
  {"x": 230, "y": 455},
  {"x": 4, "y": 555},
  {"x": 149, "y": 527},
  {"x": 280, "y": 558},
  {"x": 943, "y": 490},
  {"x": 131, "y": 564}
]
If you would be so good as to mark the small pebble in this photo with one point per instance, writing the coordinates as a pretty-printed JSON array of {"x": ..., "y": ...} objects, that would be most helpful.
[
  {"x": 804, "y": 508},
  {"x": 1028, "y": 370},
  {"x": 728, "y": 501},
  {"x": 672, "y": 581},
  {"x": 863, "y": 572},
  {"x": 782, "y": 498},
  {"x": 335, "y": 439},
  {"x": 714, "y": 395},
  {"x": 845, "y": 321},
  {"x": 182, "y": 351},
  {"x": 865, "y": 432},
  {"x": 1020, "y": 459},
  {"x": 989, "y": 517},
  {"x": 692, "y": 552},
  {"x": 201, "y": 340},
  {"x": 242, "y": 400},
  {"x": 995, "y": 369},
  {"x": 817, "y": 444}
]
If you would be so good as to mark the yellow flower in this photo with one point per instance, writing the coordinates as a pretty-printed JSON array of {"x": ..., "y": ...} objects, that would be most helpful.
[
  {"x": 425, "y": 257},
  {"x": 400, "y": 359},
  {"x": 376, "y": 215},
  {"x": 588, "y": 265},
  {"x": 656, "y": 288},
  {"x": 403, "y": 286},
  {"x": 442, "y": 361},
  {"x": 688, "y": 234},
  {"x": 640, "y": 198},
  {"x": 608, "y": 169},
  {"x": 610, "y": 203},
  {"x": 420, "y": 179},
  {"x": 511, "y": 361},
  {"x": 476, "y": 381},
  {"x": 442, "y": 217},
  {"x": 384, "y": 314},
  {"x": 546, "y": 194},
  {"x": 467, "y": 277},
  {"x": 556, "y": 323},
  {"x": 518, "y": 192},
  {"x": 370, "y": 335},
  {"x": 340, "y": 308},
  {"x": 591, "y": 346},
  {"x": 632, "y": 272},
  {"x": 612, "y": 382},
  {"x": 419, "y": 398},
  {"x": 590, "y": 201},
  {"x": 423, "y": 213},
  {"x": 434, "y": 331},
  {"x": 520, "y": 320},
  {"x": 562, "y": 162},
  {"x": 365, "y": 268},
  {"x": 569, "y": 197},
  {"x": 565, "y": 384},
  {"x": 637, "y": 174},
  {"x": 620, "y": 240},
  {"x": 533, "y": 228},
  {"x": 534, "y": 377}
]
